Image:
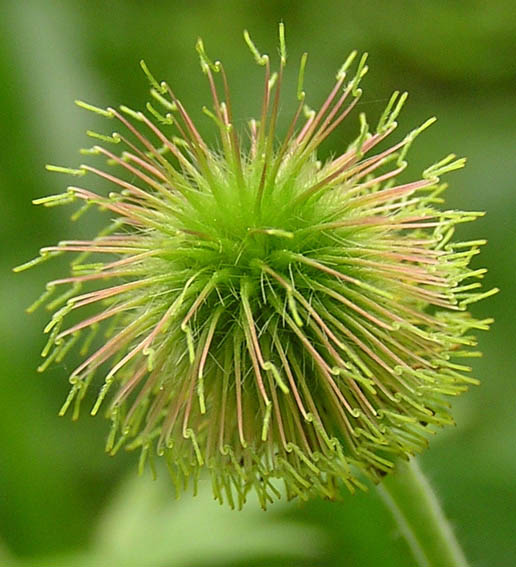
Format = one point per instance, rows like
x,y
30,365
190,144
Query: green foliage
x,y
455,60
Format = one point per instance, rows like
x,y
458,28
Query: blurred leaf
x,y
144,525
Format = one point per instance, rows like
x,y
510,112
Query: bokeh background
x,y
63,502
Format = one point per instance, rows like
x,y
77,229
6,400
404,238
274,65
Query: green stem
x,y
420,518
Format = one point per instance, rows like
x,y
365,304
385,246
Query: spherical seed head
x,y
259,313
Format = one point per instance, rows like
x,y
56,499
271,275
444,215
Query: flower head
x,y
256,311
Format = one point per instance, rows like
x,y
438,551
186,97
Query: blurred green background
x,y
62,500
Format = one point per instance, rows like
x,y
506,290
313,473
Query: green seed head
x,y
254,311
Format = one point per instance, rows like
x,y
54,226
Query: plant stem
x,y
420,518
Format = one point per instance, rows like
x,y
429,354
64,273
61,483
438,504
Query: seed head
x,y
259,313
